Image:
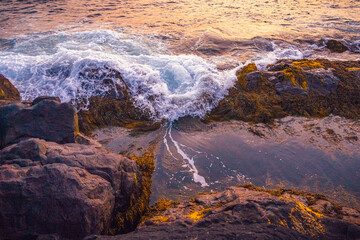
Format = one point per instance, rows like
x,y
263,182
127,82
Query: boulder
x,y
47,119
248,213
69,190
7,90
336,46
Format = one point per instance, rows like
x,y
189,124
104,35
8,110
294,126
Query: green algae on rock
x,y
311,88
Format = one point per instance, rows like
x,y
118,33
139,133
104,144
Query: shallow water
x,y
299,153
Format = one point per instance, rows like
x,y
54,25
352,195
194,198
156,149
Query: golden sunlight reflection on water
x,y
228,18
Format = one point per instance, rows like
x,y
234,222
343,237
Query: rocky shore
x,y
55,183
310,88
248,212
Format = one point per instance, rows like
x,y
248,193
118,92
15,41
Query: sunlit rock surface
x,y
249,213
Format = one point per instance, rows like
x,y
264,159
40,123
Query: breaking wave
x,y
168,86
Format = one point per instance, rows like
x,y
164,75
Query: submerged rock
x,y
7,90
292,88
71,190
47,119
249,213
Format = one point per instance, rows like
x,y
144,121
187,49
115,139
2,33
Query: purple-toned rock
x,y
47,119
69,190
254,213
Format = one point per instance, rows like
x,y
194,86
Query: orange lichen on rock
x,y
198,215
244,71
306,220
308,64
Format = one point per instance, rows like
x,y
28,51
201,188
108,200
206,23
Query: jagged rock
x,y
254,213
7,90
48,119
336,46
69,190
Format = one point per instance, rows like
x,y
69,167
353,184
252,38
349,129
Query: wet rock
x,y
288,87
292,88
41,98
47,119
7,90
252,79
115,108
249,213
69,190
278,67
322,80
336,46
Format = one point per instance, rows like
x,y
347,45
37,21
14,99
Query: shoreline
x,y
299,82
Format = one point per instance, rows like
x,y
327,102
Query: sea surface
x,y
178,59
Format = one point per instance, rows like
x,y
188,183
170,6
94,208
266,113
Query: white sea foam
x,y
190,163
168,86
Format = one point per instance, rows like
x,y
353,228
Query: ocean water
x,y
178,58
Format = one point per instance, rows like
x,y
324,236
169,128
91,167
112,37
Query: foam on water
x,y
168,86
189,161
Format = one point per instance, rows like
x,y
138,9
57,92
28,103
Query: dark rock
x,y
48,119
70,190
249,213
41,98
7,90
252,79
288,87
336,46
322,81
278,66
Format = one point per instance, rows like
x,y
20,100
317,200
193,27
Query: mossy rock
x,y
337,93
